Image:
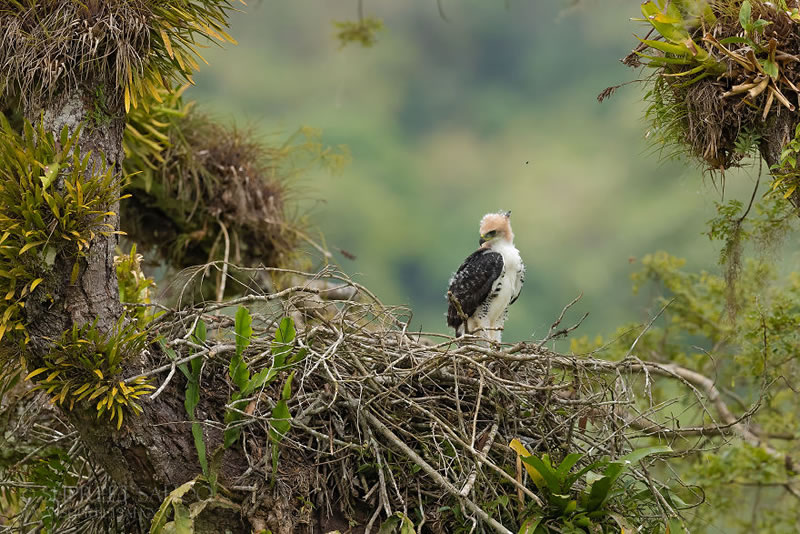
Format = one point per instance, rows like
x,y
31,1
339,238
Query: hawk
x,y
488,281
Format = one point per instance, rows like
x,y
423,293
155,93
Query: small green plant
x,y
247,383
180,509
750,26
192,372
786,174
397,523
582,500
134,286
53,202
85,365
678,49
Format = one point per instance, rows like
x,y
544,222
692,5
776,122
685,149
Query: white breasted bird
x,y
488,281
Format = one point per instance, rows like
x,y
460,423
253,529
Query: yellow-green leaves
x,y
282,358
671,26
134,287
84,366
522,452
39,221
363,31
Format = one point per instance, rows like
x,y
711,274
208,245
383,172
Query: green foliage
x,y
786,174
397,523
53,203
363,31
678,48
181,522
85,365
192,372
584,499
181,508
151,132
752,359
747,142
134,286
248,383
280,423
699,42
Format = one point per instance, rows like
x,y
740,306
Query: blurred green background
x,y
492,108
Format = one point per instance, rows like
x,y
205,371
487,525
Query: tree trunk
x,y
153,453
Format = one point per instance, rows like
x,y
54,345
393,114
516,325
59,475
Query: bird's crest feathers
x,y
496,225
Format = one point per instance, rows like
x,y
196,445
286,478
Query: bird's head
x,y
495,227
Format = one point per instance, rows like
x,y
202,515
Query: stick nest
x,y
384,420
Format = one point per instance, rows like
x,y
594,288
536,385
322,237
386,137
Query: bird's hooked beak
x,y
482,240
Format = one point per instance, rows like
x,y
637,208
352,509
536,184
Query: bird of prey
x,y
488,281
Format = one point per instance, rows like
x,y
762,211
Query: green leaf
x,y
601,487
214,467
50,173
298,356
29,246
739,40
530,525
239,372
547,472
280,421
675,526
760,23
260,379
160,518
243,329
284,339
389,526
668,48
639,454
200,446
286,392
231,436
566,464
279,425
183,523
745,14
671,31
770,67
199,334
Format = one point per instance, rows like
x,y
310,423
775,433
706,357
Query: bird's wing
x,y
472,283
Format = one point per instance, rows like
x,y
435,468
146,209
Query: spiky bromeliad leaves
x,y
721,69
49,212
137,47
86,364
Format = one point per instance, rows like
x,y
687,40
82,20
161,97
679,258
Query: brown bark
x,y
153,453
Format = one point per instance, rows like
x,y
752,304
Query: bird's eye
x,y
491,234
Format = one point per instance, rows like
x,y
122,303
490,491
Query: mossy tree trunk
x,y
94,295
153,453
